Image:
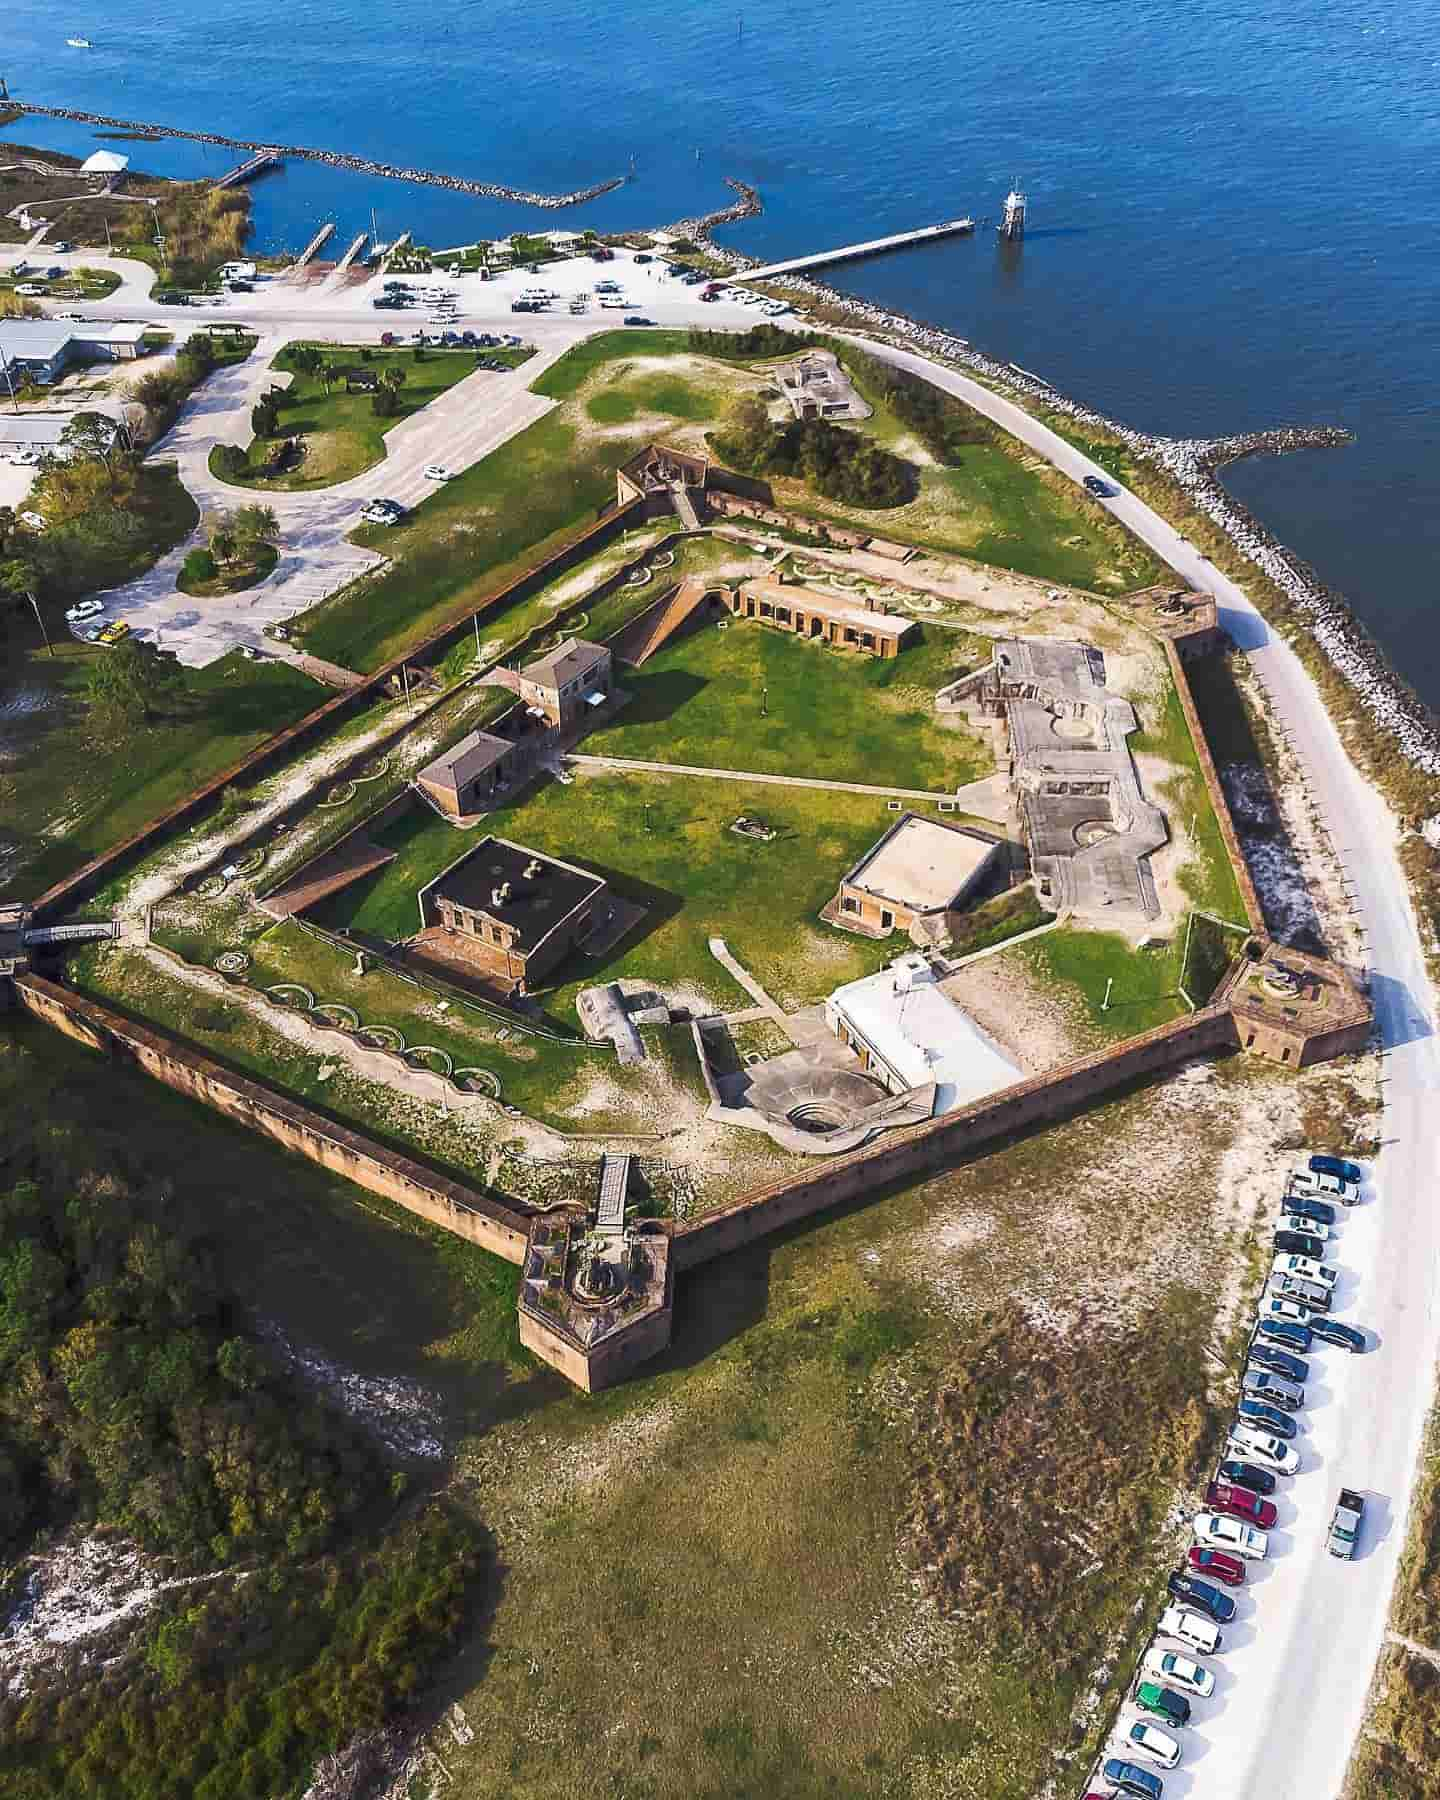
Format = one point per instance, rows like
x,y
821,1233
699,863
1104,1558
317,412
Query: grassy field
x,y
1081,965
665,842
343,436
64,797
749,697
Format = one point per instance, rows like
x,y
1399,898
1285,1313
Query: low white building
x,y
907,1033
107,163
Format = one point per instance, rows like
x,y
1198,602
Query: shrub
x,y
385,404
198,566
841,465
231,462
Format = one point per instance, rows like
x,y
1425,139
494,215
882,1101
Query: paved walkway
x,y
720,950
631,764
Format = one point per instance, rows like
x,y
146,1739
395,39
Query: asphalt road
x,y
1293,1678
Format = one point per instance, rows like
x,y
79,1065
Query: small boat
x,y
78,43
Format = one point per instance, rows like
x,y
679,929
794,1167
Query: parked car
x,y
35,520
637,319
1279,1362
1094,485
1219,1531
1304,1206
62,246
1305,1268
1306,1183
1202,1595
1190,1628
1179,1671
114,633
1157,1746
438,472
1344,1532
30,289
383,512
92,634
1277,1390
1254,1445
1283,1331
1241,1500
1130,1778
1298,1243
25,457
83,609
1313,1295
1277,1307
1265,1417
1304,1226
1164,1702
1215,1565
1333,1165
1246,1475
1344,1337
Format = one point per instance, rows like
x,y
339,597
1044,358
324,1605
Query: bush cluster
x,y
838,464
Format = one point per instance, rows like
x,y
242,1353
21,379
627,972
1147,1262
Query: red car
x,y
1240,1503
1216,1565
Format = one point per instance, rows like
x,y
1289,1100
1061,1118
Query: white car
x,y
1311,1227
1217,1532
1305,1268
25,456
438,472
1262,1447
1190,1628
1306,1181
1179,1672
1139,1738
1288,1311
33,519
82,610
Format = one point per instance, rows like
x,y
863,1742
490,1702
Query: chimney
x,y
497,897
533,869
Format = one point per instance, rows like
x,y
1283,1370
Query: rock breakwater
x,y
338,159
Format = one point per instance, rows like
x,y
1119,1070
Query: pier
x,y
853,252
350,255
262,159
307,255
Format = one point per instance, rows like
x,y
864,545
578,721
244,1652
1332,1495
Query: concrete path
x,y
1309,1629
720,950
634,765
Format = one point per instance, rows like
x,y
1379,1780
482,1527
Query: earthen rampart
x,y
449,1204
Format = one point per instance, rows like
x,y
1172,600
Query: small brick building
x,y
1293,1008
473,774
564,687
510,913
919,871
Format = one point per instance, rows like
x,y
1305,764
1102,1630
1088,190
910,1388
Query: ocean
x,y
1234,210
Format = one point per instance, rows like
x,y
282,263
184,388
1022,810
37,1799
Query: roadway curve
x,y
1295,1676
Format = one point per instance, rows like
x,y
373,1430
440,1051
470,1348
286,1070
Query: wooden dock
x,y
853,252
307,255
350,255
263,159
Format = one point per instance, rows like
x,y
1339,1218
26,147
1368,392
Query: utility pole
x,y
35,607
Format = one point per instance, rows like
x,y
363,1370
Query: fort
x,y
891,1077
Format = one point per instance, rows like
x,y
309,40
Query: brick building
x,y
511,914
1293,1008
920,871
473,774
860,624
574,682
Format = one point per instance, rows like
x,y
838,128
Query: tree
x,y
330,372
19,306
231,462
306,359
125,685
747,432
393,378
254,524
265,418
224,540
92,434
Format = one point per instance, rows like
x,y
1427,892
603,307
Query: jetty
x,y
307,255
262,159
350,255
853,252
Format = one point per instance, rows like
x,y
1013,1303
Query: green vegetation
x,y
134,1401
80,782
201,576
832,462
201,226
752,697
758,343
342,432
162,392
564,379
1143,986
1208,877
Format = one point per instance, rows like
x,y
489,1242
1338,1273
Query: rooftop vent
x,y
499,895
533,869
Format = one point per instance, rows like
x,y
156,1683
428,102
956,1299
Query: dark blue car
x,y
1201,1594
1279,1362
1244,1474
1336,1166
1346,1337
1130,1778
1266,1418
1286,1332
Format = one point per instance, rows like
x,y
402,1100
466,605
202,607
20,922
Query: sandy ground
x,y
1034,1027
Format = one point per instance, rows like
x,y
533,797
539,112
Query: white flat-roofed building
x,y
907,1033
920,870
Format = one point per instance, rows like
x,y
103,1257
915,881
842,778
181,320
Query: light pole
x,y
35,608
764,702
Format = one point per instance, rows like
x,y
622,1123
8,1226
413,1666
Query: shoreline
x,y
1192,463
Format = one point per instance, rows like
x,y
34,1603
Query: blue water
x,y
1235,211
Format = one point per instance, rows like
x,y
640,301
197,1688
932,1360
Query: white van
x,y
1190,1628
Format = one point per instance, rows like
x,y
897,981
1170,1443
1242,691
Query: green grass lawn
x,y
342,434
64,796
563,379
1081,964
826,714
665,842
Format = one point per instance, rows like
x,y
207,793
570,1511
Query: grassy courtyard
x,y
343,435
750,697
665,842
